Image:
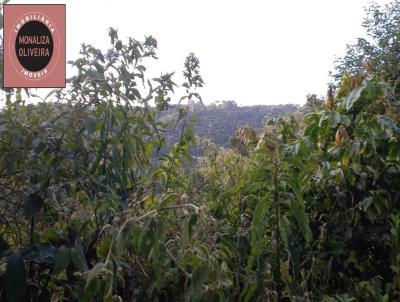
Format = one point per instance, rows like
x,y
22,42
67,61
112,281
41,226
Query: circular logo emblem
x,y
34,46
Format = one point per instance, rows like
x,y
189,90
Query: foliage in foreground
x,y
93,210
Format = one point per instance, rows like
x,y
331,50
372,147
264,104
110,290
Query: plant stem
x,y
277,231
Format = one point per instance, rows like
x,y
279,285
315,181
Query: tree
x,y
379,52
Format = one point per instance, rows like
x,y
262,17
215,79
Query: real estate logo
x,y
34,45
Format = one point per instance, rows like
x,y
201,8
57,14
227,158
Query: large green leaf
x,y
388,125
191,223
92,274
148,236
199,276
258,226
15,277
78,258
354,96
33,204
61,260
298,211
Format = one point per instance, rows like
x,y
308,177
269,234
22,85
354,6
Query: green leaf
x,y
191,223
258,226
354,96
61,260
302,220
199,276
312,129
243,247
148,236
93,273
388,125
248,294
33,204
103,248
90,123
149,147
15,277
77,258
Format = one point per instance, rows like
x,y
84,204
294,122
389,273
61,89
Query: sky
x,y
252,51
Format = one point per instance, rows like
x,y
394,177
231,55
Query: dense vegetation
x,y
93,209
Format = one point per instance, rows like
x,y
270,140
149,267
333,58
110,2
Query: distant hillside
x,y
219,120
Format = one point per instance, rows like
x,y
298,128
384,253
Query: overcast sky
x,y
253,52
